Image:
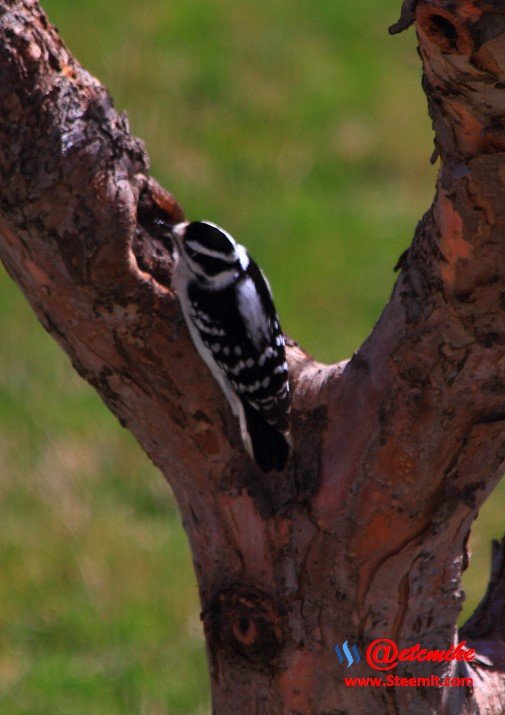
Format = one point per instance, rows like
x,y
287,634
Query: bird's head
x,y
209,253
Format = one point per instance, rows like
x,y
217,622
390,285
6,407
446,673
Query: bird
x,y
229,310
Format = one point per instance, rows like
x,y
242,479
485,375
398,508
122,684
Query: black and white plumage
x,y
228,307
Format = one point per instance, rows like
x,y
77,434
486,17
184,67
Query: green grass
x,y
302,128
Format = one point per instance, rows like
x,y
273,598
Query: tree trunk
x,y
364,536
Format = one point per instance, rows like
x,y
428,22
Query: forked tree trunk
x,y
364,536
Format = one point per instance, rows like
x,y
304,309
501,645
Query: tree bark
x,y
364,536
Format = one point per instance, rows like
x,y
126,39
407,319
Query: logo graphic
x,y
352,654
384,654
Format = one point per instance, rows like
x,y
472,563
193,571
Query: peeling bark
x,y
365,534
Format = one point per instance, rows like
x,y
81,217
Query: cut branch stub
x,y
407,17
489,618
461,45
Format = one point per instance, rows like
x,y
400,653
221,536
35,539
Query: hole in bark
x,y
154,217
152,245
443,30
441,25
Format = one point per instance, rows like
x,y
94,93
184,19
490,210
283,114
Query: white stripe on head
x,y
227,258
240,251
195,245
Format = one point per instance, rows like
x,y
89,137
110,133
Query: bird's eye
x,y
191,252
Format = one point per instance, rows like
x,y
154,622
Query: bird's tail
x,y
267,445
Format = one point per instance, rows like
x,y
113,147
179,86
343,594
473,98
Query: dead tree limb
x,y
365,534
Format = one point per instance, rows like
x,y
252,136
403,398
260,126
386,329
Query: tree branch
x,y
364,536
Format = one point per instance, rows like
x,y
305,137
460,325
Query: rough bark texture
x,y
365,534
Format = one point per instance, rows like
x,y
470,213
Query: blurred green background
x,y
302,128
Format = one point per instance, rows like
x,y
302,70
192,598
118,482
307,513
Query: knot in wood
x,y
244,620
